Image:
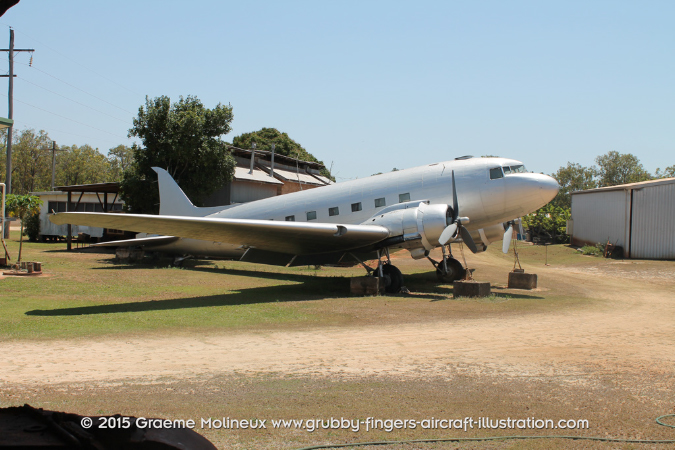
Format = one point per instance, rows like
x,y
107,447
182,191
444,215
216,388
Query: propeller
x,y
456,227
508,234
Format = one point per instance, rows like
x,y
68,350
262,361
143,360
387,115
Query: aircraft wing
x,y
297,238
151,240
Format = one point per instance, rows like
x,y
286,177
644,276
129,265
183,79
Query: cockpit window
x,y
514,169
496,173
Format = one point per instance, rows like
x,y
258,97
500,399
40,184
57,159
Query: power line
x,y
67,118
75,87
89,138
80,64
75,101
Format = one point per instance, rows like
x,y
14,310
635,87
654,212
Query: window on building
x,y
334,211
496,173
379,202
356,207
290,218
311,215
404,197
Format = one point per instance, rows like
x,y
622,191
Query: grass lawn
x,y
84,294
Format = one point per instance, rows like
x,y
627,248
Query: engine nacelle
x,y
421,221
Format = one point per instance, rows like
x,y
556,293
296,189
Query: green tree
x,y
615,168
21,206
184,138
668,172
31,162
81,165
573,177
283,145
548,224
120,160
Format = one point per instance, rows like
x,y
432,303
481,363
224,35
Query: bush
x,y
548,224
593,250
32,227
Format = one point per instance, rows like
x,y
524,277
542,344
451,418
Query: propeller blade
x,y
455,204
508,234
468,240
448,233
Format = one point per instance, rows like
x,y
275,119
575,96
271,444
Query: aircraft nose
x,y
548,187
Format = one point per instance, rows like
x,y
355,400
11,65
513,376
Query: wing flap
x,y
297,238
151,240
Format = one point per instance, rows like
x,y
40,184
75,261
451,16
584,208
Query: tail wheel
x,y
455,271
393,279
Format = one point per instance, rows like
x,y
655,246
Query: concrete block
x,y
464,288
522,280
366,285
129,254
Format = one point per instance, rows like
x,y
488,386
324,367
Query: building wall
x,y
640,218
600,217
653,227
247,191
289,187
58,200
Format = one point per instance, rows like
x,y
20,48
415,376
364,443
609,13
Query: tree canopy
x,y
184,138
283,145
615,168
573,177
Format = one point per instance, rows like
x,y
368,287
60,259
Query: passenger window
x,y
356,207
496,173
311,215
404,197
380,202
290,218
334,211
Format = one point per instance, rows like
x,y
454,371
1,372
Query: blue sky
x,y
366,85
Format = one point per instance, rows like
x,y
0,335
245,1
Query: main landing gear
x,y
392,277
449,269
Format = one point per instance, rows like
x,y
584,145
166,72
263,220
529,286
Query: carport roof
x,y
112,188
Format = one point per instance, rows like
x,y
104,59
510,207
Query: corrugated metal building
x,y
640,217
257,177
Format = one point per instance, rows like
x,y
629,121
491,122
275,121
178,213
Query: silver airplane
x,y
469,200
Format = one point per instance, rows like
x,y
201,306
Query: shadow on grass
x,y
213,269
314,289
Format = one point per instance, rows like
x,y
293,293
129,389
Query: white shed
x,y
640,217
55,201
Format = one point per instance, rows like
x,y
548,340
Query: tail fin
x,y
174,202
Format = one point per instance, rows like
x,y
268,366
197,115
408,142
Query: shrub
x,y
593,250
32,227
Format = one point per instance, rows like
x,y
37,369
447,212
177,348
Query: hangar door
x,y
653,222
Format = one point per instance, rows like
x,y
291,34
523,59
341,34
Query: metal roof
x,y
113,188
242,174
623,187
277,157
6,123
297,176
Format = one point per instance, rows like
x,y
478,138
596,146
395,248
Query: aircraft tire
x,y
455,271
393,279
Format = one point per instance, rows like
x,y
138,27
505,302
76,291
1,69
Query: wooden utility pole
x,y
11,50
54,150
